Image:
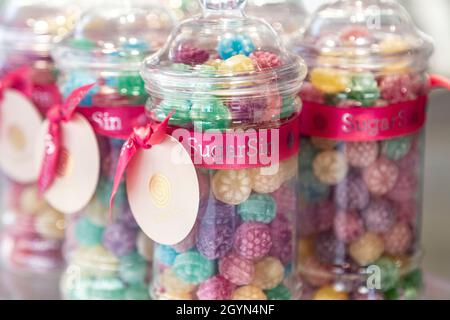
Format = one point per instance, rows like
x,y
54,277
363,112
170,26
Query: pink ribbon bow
x,y
56,116
19,79
142,138
438,81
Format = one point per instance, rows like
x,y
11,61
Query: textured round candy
x,y
259,207
406,212
266,60
51,224
236,269
285,199
87,233
188,54
397,88
215,288
269,273
282,232
253,240
144,246
232,45
361,154
316,218
119,239
126,218
165,255
352,193
192,267
381,176
330,81
107,288
314,272
380,216
232,186
396,149
174,285
329,249
309,93
330,293
407,187
182,111
323,144
249,293
219,213
95,260
348,226
364,89
389,272
137,292
235,65
280,292
247,110
210,114
215,240
398,240
311,189
267,180
367,249
330,167
133,268
30,202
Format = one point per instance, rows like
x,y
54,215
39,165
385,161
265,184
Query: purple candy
x,y
219,213
352,194
253,240
329,249
281,232
126,218
188,54
119,239
248,109
380,216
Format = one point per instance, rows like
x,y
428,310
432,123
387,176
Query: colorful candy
x,y
233,45
381,176
367,249
330,167
232,186
269,273
253,240
192,267
236,269
259,208
215,288
249,293
379,217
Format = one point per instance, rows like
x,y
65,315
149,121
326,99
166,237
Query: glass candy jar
x,y
225,75
361,172
32,232
108,257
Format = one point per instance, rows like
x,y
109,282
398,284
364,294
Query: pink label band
x,y
363,124
114,122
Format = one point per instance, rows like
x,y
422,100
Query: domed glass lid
x,y
223,52
358,29
120,33
35,25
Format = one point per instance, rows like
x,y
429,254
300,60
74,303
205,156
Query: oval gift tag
x,y
78,168
163,191
20,123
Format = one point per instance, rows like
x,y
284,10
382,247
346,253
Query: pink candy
x,y
348,227
398,239
406,187
265,60
236,269
286,200
381,176
253,240
361,154
215,288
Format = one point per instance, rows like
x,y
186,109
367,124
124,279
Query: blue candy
x,y
233,45
87,233
165,255
78,79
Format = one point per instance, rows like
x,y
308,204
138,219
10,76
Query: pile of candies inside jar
x,y
361,200
242,245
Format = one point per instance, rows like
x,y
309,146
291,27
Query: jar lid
x,y
363,33
225,54
118,35
35,25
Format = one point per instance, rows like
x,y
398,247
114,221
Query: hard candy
x,y
232,186
174,285
352,193
119,239
364,89
182,110
107,288
190,55
269,273
165,255
361,154
131,85
390,273
215,288
329,249
398,240
366,249
253,240
316,218
397,88
236,269
330,293
232,45
406,188
311,189
396,149
348,226
259,207
210,114
247,110
280,292
214,241
380,216
330,167
133,269
249,293
281,230
285,199
193,268
236,65
315,272
309,93
266,60
267,180
381,176
87,233
330,81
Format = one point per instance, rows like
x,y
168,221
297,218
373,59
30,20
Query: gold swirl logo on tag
x,y
16,138
160,190
65,164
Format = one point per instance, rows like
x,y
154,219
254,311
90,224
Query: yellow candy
x,y
330,167
331,81
367,249
330,293
145,246
393,45
51,224
289,168
232,186
31,202
402,66
214,63
305,248
268,179
174,286
95,261
269,273
237,64
248,293
323,144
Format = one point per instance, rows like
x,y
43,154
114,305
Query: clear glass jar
x,y
32,232
223,72
361,199
109,258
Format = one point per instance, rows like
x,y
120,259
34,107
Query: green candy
x,y
311,189
288,107
137,292
396,149
307,154
181,108
82,44
88,233
193,268
210,114
131,85
335,99
279,293
364,89
133,268
80,289
108,288
390,273
392,294
412,284
259,207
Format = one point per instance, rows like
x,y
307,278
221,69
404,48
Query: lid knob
x,y
223,5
